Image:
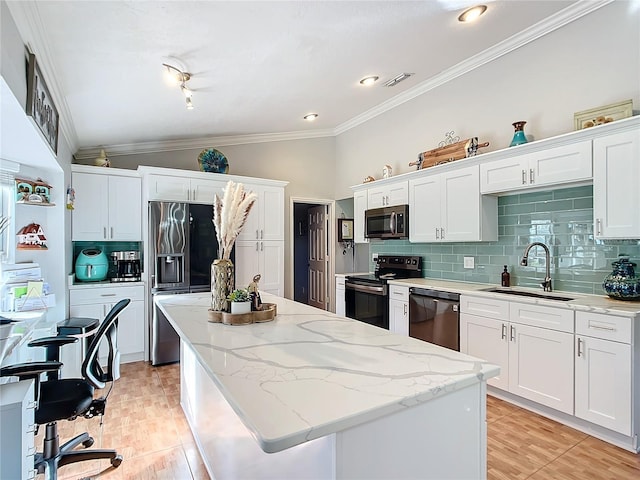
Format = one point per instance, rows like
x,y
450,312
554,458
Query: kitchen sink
x,y
521,293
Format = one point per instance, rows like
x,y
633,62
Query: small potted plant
x,y
240,301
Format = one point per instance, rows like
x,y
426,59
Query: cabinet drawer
x,y
607,327
485,307
340,282
540,316
397,292
105,294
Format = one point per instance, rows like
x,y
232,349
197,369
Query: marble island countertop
x,y
579,301
310,373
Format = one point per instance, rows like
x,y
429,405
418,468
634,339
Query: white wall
x,y
591,62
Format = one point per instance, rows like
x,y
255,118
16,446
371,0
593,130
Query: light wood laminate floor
x,y
145,423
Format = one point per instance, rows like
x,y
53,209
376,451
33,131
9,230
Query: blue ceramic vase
x,y
622,283
518,137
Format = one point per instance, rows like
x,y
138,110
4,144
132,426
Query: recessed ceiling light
x,y
310,117
470,14
368,81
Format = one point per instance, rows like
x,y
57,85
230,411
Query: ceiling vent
x,y
397,79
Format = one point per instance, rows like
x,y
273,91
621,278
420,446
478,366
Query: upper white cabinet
x,y
616,174
266,218
557,165
183,189
108,204
396,193
360,202
448,207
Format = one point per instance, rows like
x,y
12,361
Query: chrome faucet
x,y
546,285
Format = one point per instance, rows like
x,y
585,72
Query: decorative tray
x,y
267,314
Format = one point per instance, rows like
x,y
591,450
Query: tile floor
x,y
144,421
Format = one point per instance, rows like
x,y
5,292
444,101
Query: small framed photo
x,y
602,115
345,229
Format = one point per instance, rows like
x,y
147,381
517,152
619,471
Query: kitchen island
x,y
315,395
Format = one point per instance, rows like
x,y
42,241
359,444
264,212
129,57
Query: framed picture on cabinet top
x,y
602,115
345,229
40,104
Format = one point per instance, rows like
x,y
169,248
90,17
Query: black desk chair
x,y
69,398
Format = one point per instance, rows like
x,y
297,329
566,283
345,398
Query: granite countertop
x,y
580,302
311,373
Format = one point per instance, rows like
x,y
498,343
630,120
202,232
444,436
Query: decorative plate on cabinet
x,y
213,161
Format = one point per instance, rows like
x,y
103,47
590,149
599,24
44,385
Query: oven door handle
x,y
381,290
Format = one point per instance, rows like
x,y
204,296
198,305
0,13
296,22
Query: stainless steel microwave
x,y
387,222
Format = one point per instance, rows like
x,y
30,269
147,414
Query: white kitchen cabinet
x,y
265,258
266,218
494,331
616,174
17,407
448,207
603,371
183,189
107,207
396,193
340,306
399,309
95,302
360,200
557,165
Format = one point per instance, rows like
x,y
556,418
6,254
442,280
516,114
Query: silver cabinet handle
x,y
404,308
531,175
261,246
442,234
512,335
598,226
504,331
437,237
104,232
107,294
579,345
261,234
524,177
257,235
256,246
111,233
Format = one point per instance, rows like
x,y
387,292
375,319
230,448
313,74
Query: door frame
x,y
330,238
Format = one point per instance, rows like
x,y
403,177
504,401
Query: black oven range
x,y
366,296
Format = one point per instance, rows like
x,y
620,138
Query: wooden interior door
x,y
317,257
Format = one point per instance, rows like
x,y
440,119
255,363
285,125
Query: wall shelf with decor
x,y
39,204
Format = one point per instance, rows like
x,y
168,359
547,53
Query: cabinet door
x,y
125,209
616,171
504,175
91,208
166,188
271,268
568,163
360,204
424,209
272,211
486,338
131,332
340,307
460,190
377,197
204,191
603,383
399,317
398,193
534,353
247,263
71,355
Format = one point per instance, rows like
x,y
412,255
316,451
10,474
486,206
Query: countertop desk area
x,y
315,395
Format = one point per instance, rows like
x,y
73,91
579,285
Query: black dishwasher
x,y
434,317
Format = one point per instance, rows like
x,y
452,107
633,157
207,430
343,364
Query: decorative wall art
x,y
345,229
213,161
40,105
602,115
33,191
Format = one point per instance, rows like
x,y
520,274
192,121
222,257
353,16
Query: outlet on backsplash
x,y
469,262
374,257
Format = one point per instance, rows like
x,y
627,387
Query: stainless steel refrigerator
x,y
183,245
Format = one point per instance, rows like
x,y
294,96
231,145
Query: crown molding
x,y
32,30
544,27
195,143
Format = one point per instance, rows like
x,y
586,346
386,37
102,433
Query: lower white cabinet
x,y
96,302
17,436
603,369
340,306
260,257
526,354
399,309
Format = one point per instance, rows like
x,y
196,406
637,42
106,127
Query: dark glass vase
x,y
518,136
622,283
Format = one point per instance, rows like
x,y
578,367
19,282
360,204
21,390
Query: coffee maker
x,y
126,266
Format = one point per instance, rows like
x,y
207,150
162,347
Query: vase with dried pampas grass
x,y
229,216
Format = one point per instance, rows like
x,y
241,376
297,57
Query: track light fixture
x,y
178,76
